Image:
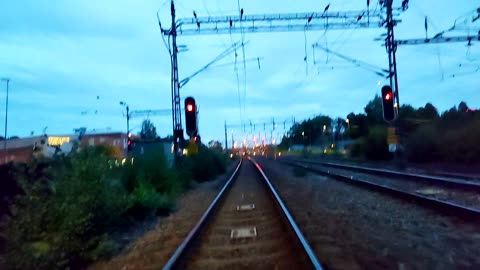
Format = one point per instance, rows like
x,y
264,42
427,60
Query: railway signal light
x,y
388,104
190,116
129,144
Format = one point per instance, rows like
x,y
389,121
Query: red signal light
x,y
129,142
189,107
388,96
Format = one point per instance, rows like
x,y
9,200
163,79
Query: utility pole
x,y
391,47
260,23
6,122
226,142
176,111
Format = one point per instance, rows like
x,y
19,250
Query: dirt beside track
x,y
350,227
154,248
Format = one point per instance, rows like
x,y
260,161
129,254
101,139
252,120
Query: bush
x,y
422,145
461,144
153,184
358,148
376,144
206,164
62,222
70,204
436,143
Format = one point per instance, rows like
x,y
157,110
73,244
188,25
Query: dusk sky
x,y
65,57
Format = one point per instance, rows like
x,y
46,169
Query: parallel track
x,y
261,236
455,209
471,183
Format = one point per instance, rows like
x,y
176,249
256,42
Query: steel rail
x,y
180,252
392,173
306,247
174,259
455,209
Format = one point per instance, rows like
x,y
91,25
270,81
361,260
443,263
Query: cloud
x,y
61,56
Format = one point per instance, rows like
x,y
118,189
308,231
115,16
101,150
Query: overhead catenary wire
x,y
235,68
240,11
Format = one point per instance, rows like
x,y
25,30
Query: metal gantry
x,y
261,23
271,125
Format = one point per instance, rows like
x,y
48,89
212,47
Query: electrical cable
x,y
235,68
305,58
240,11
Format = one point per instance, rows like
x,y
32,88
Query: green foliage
x,y
422,145
358,126
70,206
358,148
206,164
452,137
215,146
374,111
461,144
62,221
148,132
376,144
153,184
308,132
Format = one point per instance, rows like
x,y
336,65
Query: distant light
x,y
57,141
123,161
279,153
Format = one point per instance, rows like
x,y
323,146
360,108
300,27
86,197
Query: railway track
x,y
463,181
458,197
247,226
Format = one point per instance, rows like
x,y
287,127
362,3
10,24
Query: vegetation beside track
x,y
68,208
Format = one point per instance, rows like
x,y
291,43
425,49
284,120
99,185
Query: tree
x,y
462,107
429,112
215,145
148,132
358,125
374,110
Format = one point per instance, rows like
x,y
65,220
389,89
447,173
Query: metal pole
x,y
226,142
6,123
176,112
128,121
392,67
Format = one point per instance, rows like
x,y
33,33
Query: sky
x,y
71,62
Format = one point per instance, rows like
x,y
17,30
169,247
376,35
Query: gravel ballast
x,y
350,227
457,194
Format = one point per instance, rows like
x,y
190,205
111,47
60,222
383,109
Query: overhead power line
x,y
377,70
307,21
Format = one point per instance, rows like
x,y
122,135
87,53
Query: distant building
x,y
20,150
